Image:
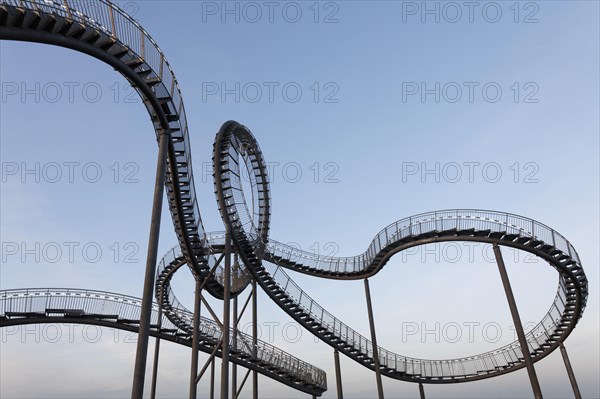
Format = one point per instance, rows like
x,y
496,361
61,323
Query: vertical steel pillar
x,y
574,385
234,366
254,338
195,340
226,297
155,362
535,385
338,374
211,394
374,340
155,369
421,391
141,354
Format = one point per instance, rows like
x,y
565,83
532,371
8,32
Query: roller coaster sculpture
x,y
104,31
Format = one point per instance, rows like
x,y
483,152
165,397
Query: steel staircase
x,y
122,312
466,225
264,259
101,29
104,31
469,225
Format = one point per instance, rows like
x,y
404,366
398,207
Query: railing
x,y
487,362
113,21
264,351
451,368
93,302
415,225
445,220
215,242
39,301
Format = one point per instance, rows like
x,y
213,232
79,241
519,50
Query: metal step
x,y
134,62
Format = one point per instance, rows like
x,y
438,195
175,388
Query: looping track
x,y
102,30
451,225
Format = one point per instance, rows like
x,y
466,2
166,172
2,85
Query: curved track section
x,y
123,312
517,228
554,328
452,225
173,260
236,155
102,30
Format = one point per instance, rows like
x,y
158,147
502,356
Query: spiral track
x,y
102,30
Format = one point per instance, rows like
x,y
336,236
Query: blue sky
x,y
344,164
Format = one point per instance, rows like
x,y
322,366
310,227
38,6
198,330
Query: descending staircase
x,y
101,29
173,260
482,226
264,259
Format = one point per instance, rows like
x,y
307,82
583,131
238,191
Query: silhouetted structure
x,y
102,30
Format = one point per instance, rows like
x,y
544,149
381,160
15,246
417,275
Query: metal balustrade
x,y
462,219
112,28
140,60
165,102
542,339
55,303
179,315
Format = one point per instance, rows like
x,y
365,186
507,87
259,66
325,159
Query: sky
x,y
366,113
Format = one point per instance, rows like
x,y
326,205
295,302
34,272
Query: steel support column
x,y
421,391
209,361
254,338
195,339
155,362
570,372
535,385
234,366
226,311
374,340
141,354
234,340
211,394
338,374
155,369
